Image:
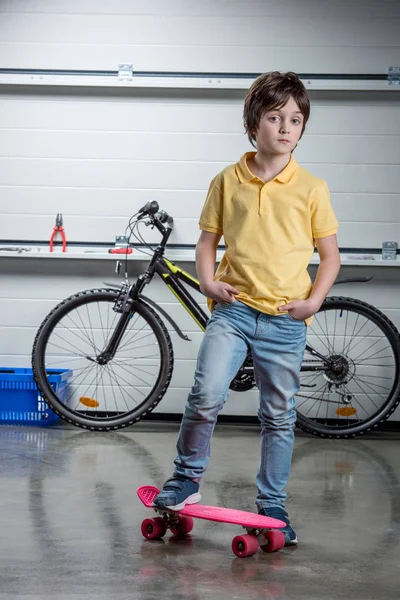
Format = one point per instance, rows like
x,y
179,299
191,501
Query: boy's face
x,y
280,129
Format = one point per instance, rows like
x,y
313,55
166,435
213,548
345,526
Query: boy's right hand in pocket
x,y
221,292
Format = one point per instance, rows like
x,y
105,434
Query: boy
x,y
271,213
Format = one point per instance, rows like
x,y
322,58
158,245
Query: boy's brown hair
x,y
270,91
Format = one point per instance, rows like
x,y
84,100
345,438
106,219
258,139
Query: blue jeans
x,y
277,344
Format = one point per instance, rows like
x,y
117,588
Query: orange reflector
x,y
89,402
346,411
344,467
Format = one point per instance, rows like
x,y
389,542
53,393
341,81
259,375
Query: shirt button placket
x,y
260,194
263,199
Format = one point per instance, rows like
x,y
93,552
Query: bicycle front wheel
x,y
352,384
102,396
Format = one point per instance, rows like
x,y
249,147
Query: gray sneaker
x,y
176,493
281,514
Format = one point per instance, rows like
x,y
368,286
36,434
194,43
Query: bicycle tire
x,y
321,429
81,418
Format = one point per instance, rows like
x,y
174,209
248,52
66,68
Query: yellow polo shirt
x,y
269,231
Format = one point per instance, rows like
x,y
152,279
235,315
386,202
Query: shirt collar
x,y
245,175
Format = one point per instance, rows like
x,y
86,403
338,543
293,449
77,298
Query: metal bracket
x,y
394,76
389,250
121,240
125,72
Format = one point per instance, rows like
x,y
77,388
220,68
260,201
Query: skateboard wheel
x,y
184,526
244,545
154,529
275,541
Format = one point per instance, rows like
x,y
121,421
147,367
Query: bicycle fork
x,y
123,305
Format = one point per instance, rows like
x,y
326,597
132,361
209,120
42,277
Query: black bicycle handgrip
x,y
150,208
164,217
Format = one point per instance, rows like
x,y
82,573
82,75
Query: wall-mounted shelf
x,y
184,80
188,255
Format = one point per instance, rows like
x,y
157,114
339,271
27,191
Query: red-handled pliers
x,y
60,228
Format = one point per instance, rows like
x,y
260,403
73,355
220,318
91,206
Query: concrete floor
x,y
70,519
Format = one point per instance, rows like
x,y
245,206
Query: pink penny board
x,y
147,493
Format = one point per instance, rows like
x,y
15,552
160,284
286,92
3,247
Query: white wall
x,y
96,155
311,36
98,159
99,153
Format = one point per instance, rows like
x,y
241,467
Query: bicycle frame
x,y
171,274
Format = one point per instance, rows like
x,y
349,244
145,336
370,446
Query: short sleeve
x,y
211,218
323,219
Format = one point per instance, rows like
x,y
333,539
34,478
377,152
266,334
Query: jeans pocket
x,y
222,305
295,320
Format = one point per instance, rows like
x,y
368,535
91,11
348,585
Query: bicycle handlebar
x,y
153,210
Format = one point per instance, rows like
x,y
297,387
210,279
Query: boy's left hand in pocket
x,y
300,309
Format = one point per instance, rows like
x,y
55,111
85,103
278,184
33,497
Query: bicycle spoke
x,y
334,333
113,390
101,323
357,380
345,329
312,406
101,379
80,329
371,383
368,357
67,342
128,384
354,399
327,346
121,389
115,386
90,323
361,388
85,393
134,375
70,358
313,393
376,376
381,357
143,370
305,378
346,350
140,357
144,346
319,406
136,333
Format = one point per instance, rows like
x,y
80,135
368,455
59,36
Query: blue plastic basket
x,y
20,399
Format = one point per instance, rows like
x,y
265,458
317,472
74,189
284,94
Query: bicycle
x,y
116,343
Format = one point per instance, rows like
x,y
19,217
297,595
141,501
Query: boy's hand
x,y
220,291
300,309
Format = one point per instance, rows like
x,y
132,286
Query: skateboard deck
x,y
261,530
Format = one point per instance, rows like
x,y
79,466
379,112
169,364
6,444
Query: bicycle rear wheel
x,y
103,396
356,382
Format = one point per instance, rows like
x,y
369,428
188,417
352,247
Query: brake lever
x,y
150,222
148,219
